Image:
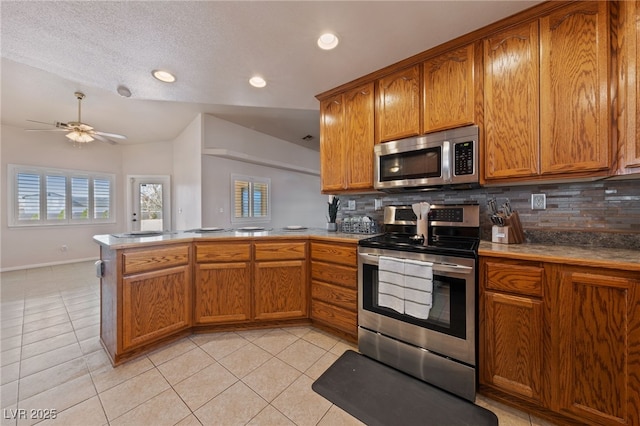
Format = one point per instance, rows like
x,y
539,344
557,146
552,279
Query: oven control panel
x,y
449,214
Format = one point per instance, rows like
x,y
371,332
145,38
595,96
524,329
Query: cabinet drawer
x,y
150,259
334,253
346,276
281,251
334,316
335,295
515,278
223,252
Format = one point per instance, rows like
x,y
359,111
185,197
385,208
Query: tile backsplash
x,y
603,213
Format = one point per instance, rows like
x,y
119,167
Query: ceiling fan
x,y
78,131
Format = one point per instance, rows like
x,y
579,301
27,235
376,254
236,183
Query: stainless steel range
x,y
417,295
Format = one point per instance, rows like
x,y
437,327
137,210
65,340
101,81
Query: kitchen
x,y
562,199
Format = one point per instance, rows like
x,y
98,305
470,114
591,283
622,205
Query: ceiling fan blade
x,y
103,139
42,122
110,135
46,130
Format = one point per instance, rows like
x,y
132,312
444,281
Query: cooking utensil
x,y
416,209
424,210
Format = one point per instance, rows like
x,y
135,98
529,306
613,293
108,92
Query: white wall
x,y
187,177
42,245
295,197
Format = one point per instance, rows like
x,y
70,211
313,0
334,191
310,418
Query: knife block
x,y
511,233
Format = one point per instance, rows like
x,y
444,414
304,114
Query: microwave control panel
x,y
463,159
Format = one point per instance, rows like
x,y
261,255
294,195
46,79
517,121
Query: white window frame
x,y
252,180
13,204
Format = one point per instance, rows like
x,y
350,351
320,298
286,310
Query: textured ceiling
x,y
51,49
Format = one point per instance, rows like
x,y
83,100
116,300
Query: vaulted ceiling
x,y
51,49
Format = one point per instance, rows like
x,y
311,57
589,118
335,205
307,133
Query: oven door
x,y
449,329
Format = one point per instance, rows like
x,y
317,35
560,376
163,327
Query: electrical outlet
x,y
377,203
351,205
538,201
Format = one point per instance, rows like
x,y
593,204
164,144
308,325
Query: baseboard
x,y
42,265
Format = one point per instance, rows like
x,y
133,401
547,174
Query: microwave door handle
x,y
446,161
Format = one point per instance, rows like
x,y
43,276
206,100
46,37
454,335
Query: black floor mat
x,y
380,395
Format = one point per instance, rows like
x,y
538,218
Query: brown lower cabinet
x,y
562,341
145,298
334,287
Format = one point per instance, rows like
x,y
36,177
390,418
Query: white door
x,y
150,203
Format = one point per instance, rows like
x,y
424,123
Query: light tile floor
x,y
51,362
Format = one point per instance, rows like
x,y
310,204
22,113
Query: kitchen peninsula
x,y
155,289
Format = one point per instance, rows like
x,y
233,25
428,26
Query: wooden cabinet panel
x,y
154,305
449,90
344,276
280,290
511,103
149,259
335,253
222,292
574,89
629,87
359,137
525,278
336,295
335,317
513,344
398,106
280,251
597,345
223,252
332,152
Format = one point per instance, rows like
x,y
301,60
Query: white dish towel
x,y
405,286
418,288
391,283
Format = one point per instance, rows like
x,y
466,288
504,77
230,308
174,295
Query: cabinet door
x,y
511,103
358,139
280,290
513,344
629,86
155,305
596,337
449,90
332,163
222,292
574,89
398,105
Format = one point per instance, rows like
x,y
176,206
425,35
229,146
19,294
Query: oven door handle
x,y
372,259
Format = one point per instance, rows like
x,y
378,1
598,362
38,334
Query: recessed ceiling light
x,y
328,41
164,76
257,81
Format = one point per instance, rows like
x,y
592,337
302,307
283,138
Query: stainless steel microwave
x,y
436,160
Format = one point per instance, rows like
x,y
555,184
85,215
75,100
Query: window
x,y
250,199
44,196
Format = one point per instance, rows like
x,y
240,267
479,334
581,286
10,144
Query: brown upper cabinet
x,y
547,96
346,140
449,90
629,88
511,103
398,105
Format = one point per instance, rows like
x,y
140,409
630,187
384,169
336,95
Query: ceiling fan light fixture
x,y
80,137
328,41
164,76
257,81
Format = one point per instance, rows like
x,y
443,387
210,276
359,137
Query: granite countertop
x,y
584,256
120,242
